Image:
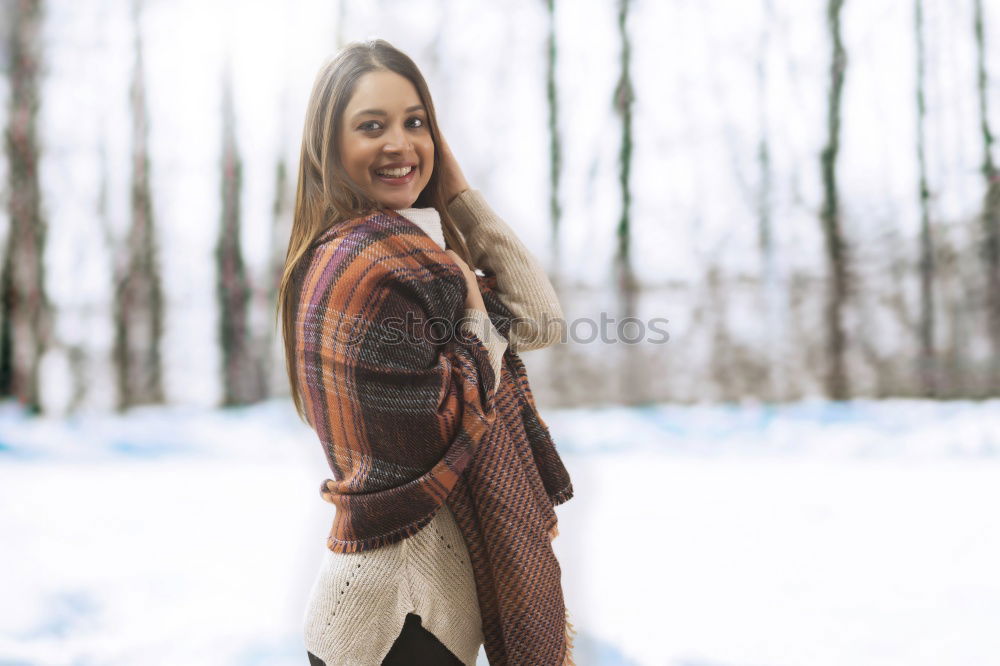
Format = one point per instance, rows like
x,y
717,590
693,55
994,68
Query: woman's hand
x,y
452,179
473,297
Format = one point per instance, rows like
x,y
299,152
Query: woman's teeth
x,y
394,173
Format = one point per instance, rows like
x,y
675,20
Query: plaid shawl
x,y
402,401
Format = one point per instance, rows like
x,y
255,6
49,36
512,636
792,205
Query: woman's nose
x,y
396,141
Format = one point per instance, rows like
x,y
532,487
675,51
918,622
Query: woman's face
x,y
385,126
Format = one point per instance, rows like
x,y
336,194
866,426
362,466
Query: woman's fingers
x,y
444,142
458,260
452,179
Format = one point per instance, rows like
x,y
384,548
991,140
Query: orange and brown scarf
x,y
402,400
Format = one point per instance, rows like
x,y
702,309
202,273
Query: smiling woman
x,y
445,476
386,143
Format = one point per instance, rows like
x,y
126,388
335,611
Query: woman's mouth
x,y
398,176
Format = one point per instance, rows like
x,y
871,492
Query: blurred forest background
x,y
808,192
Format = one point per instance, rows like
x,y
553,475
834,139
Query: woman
x,y
445,477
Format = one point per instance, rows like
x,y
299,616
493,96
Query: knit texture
x,y
428,219
408,426
359,601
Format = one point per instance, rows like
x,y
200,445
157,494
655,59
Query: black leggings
x,y
415,646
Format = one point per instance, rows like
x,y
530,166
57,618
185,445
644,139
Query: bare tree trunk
x,y
836,379
991,209
773,292
241,372
138,297
927,359
560,357
280,231
26,330
271,349
625,279
555,145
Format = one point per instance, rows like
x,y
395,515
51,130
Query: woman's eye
x,y
367,126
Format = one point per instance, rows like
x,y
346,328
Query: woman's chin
x,y
397,204
397,201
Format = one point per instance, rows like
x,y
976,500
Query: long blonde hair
x,y
325,195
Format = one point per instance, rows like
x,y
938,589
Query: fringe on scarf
x,y
570,631
570,634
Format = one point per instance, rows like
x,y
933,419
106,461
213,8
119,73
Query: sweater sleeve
x,y
521,281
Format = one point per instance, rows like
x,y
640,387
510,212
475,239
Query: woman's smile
x,y
396,176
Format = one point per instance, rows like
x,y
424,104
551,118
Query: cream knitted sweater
x,y
359,601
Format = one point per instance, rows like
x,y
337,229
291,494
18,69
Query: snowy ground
x,y
812,534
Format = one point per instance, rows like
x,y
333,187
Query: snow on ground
x,y
810,534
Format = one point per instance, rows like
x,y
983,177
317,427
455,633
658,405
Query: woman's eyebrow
x,y
380,112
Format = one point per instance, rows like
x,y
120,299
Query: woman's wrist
x,y
475,302
474,298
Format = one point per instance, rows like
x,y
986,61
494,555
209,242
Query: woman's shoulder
x,y
375,249
336,231
378,228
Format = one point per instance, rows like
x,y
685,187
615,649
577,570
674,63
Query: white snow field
x,y
812,534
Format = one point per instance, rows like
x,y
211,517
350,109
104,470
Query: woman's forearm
x,y
521,282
